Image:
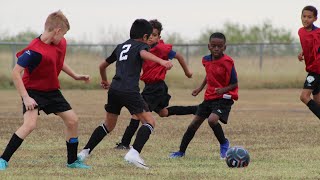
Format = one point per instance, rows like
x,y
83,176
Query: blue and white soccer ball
x,y
237,157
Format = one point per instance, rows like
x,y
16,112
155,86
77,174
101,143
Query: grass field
x,y
280,133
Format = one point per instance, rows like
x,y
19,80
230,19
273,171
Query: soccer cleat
x,y
83,155
223,149
121,146
3,164
78,164
133,157
177,154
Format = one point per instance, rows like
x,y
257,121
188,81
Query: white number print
x,y
123,55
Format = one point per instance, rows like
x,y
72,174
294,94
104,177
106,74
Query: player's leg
x,y
29,124
98,134
213,121
312,82
143,134
70,120
177,110
128,134
220,111
188,136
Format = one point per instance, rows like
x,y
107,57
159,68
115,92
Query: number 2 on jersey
x,y
123,55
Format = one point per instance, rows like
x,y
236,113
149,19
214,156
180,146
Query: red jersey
x,y
45,76
152,71
310,43
218,73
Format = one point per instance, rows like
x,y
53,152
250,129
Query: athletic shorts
x,y
156,96
220,107
49,102
312,82
133,101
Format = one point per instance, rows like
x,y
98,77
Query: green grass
x,y
279,131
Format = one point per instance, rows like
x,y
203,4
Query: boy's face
x,y
58,35
216,47
307,18
154,37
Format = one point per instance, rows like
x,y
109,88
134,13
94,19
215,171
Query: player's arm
x,y
199,89
67,69
103,67
146,55
27,59
300,56
184,65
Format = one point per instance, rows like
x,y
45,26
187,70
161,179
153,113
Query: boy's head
x,y
155,35
57,26
217,44
140,29
309,16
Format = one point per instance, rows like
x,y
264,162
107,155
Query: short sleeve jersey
x,y
43,64
310,43
128,65
219,73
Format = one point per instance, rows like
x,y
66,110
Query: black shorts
x,y
312,82
156,96
49,102
133,101
220,107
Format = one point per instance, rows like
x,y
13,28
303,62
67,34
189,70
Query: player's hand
x,y
85,78
29,103
167,64
189,74
220,90
196,92
300,56
105,84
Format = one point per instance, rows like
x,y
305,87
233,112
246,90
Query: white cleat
x,y
133,157
84,154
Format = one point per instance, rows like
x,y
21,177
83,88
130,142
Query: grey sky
x,y
97,20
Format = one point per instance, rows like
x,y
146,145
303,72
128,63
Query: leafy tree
x,y
24,36
264,33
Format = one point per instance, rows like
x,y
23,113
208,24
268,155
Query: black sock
x,y
314,107
142,136
187,137
98,134
12,146
218,132
72,149
130,130
182,110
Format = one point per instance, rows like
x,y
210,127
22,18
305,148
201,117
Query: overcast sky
x,y
97,20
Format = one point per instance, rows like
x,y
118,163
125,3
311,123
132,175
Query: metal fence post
x,y
260,55
13,50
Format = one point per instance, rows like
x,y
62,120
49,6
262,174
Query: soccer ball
x,y
237,157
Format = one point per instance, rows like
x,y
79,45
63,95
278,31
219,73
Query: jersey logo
x,y
28,52
219,111
310,79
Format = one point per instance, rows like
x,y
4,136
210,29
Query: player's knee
x,y
213,122
163,113
71,123
30,127
194,126
304,98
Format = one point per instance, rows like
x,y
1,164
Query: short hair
x,y
56,20
139,28
156,25
312,9
218,35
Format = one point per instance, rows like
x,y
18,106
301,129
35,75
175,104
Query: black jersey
x,y
128,66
